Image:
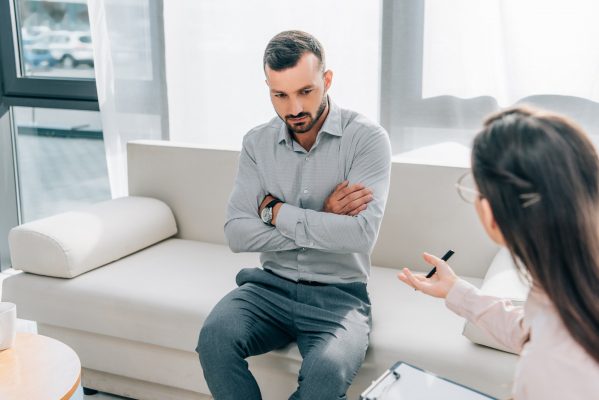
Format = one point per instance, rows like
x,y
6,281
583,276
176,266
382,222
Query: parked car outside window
x,y
71,48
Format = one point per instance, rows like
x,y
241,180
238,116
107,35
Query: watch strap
x,y
272,203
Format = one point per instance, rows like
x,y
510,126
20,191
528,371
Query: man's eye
x,y
306,91
280,95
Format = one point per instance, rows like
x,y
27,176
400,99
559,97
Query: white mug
x,y
8,322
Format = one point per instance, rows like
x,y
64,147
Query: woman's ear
x,y
485,214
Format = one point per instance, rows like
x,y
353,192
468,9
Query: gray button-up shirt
x,y
308,243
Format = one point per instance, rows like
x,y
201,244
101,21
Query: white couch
x,y
154,276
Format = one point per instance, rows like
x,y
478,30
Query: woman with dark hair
x,y
535,186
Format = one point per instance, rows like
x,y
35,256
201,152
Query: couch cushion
x,y
71,243
162,295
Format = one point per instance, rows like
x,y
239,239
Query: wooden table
x,y
38,367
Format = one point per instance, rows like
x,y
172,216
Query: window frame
x,y
27,91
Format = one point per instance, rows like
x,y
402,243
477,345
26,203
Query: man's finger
x,y
336,193
358,210
352,205
353,196
348,190
356,194
341,185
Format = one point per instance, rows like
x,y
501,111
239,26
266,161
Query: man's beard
x,y
310,120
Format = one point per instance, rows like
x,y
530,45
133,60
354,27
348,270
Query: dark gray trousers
x,y
330,324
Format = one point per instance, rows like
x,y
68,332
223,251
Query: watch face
x,y
266,215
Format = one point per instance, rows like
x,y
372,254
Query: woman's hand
x,y
437,285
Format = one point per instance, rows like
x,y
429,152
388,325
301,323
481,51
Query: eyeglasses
x,y
466,187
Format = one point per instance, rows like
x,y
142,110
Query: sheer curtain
x,y
128,44
191,70
209,55
214,49
447,64
511,49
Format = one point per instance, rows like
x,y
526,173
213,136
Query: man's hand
x,y
348,200
275,209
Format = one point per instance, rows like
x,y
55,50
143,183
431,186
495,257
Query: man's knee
x,y
213,335
220,338
328,377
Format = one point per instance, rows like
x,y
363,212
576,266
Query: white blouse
x,y
552,364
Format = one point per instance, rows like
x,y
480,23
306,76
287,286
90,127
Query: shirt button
x,y
305,191
307,158
303,249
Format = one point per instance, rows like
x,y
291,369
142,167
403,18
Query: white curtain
x,y
428,71
209,55
214,50
129,66
511,49
449,64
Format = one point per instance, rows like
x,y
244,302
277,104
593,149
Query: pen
x,y
446,257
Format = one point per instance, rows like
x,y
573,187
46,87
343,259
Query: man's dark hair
x,y
285,49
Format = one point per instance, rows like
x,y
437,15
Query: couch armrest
x,y
69,244
501,280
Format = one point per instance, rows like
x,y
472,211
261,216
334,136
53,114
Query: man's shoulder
x,y
265,131
353,122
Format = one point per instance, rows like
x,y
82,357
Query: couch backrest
x,y
423,213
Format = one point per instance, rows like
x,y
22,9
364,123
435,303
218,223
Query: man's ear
x,y
328,79
487,218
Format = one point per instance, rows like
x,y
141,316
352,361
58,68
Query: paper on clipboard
x,y
405,382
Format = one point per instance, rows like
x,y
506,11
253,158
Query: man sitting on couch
x,y
309,195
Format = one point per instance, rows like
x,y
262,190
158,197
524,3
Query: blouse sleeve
x,y
498,317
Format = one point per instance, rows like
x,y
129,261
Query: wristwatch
x,y
266,213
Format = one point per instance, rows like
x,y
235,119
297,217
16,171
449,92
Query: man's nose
x,y
295,106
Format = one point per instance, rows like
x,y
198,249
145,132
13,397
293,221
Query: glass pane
x,y
55,39
61,160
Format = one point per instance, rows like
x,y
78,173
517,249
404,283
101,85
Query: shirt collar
x,y
332,125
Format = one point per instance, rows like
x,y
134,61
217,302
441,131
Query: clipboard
x,y
406,382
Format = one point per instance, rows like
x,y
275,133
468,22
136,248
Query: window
x,y
54,39
51,147
60,160
43,55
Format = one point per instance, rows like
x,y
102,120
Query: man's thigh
x,y
252,318
333,338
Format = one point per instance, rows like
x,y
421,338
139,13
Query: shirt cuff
x,y
456,299
290,223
